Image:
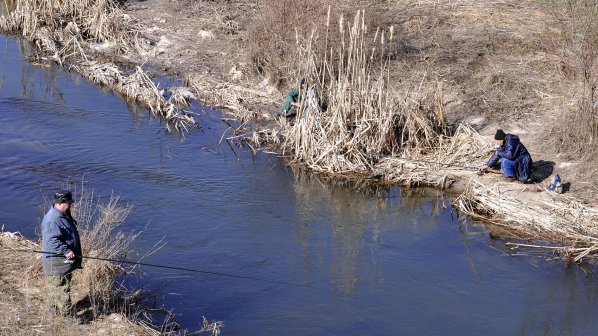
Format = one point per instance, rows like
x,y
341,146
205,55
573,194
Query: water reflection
x,y
555,308
48,89
355,223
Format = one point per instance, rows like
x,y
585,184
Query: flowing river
x,y
374,261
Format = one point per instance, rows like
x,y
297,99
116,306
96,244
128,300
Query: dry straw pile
x,y
65,30
552,217
456,156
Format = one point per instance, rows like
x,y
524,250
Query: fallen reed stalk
x,y
549,217
453,158
66,29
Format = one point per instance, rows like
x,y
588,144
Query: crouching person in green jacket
x,y
292,101
60,241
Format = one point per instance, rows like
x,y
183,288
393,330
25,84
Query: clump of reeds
x,y
95,287
365,119
65,29
98,225
552,217
453,157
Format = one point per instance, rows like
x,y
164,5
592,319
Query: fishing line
x,y
57,255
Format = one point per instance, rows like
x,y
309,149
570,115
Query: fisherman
x,y
60,241
292,101
515,160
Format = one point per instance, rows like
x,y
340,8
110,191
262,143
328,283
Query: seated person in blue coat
x,y
515,160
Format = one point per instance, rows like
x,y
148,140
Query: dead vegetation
x,y
500,63
579,136
569,224
350,116
98,297
456,157
68,32
105,305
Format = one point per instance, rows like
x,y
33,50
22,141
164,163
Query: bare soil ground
x,y
501,65
203,43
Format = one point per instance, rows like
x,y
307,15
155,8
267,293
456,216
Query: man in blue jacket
x,y
515,160
60,241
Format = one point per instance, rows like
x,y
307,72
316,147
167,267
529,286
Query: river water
x,y
374,261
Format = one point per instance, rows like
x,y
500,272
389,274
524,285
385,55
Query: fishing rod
x,y
444,164
463,167
58,255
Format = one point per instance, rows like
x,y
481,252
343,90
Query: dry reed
x,y
549,217
65,30
94,288
455,157
98,222
364,118
577,21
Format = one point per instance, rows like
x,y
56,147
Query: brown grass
x,y
66,30
456,157
274,30
364,118
577,19
98,223
562,220
100,298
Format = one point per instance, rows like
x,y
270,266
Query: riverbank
x,y
499,65
23,292
100,299
489,65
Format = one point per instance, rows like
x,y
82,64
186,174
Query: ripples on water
x,y
377,261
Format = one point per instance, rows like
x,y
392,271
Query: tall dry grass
x,y
96,291
273,30
99,226
351,116
579,25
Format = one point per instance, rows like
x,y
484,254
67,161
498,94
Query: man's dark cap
x,y
500,135
63,196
